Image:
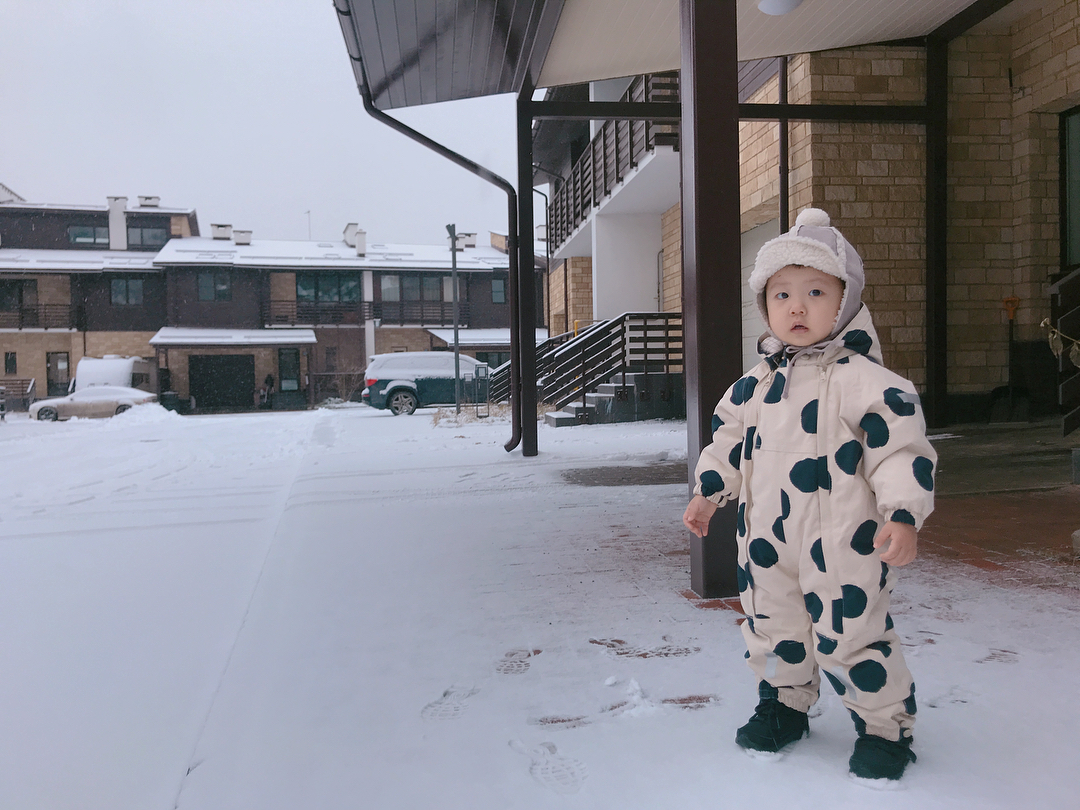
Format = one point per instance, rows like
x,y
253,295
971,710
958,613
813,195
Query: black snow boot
x,y
772,727
878,758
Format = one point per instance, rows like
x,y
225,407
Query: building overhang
x,y
174,336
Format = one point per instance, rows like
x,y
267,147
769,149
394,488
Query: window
x,y
498,291
391,288
328,288
147,237
215,285
330,359
432,287
493,359
88,235
11,368
1070,170
126,292
410,288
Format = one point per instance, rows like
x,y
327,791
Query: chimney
x,y
467,239
221,231
117,223
361,242
349,234
149,202
241,237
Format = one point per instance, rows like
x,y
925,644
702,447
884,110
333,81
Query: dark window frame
x,y
137,236
98,238
130,286
11,364
500,285
220,284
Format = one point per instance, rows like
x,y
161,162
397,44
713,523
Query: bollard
x,y
1076,465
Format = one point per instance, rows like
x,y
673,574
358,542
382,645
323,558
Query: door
x,y
57,374
222,380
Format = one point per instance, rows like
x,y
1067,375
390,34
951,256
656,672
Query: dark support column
x,y
712,301
526,273
785,156
937,142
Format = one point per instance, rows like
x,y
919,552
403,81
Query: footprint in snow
x,y
999,657
620,648
551,769
516,662
450,706
956,695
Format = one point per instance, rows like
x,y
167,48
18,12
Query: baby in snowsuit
x,y
826,451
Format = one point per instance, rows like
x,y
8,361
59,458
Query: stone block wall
x,y
759,162
128,344
402,339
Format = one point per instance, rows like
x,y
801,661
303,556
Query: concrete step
x,y
560,419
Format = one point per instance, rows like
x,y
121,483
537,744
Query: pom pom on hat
x,y
813,242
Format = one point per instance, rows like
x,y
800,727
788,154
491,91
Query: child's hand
x,y
698,514
902,540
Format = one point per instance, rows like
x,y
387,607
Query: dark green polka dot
x,y
791,652
742,520
747,449
838,615
824,479
898,402
743,390
750,624
740,577
757,442
860,724
877,432
776,390
817,554
888,622
924,472
763,553
778,530
809,417
848,456
909,702
884,576
843,361
903,516
746,654
854,601
868,676
711,483
735,456
858,341
826,645
717,423
813,606
883,647
804,475
863,539
837,684
785,505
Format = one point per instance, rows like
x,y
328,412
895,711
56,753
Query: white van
x,y
115,369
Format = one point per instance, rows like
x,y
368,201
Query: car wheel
x,y
122,408
402,401
47,415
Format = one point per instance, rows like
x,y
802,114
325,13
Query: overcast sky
x,y
245,110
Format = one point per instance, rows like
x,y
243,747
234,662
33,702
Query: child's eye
x,y
781,295
816,292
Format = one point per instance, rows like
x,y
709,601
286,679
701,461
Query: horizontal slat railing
x,y
39,316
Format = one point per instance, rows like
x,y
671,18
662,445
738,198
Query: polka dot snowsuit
x,y
818,468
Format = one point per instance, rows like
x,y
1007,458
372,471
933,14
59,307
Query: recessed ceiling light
x,y
778,7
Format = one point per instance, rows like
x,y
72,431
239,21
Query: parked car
x,y
404,381
96,401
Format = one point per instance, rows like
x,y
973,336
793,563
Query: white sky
x,y
245,110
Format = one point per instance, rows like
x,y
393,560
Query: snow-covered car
x,y
401,382
98,401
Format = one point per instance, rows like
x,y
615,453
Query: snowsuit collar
x,y
858,337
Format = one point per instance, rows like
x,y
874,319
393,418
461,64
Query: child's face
x,y
803,303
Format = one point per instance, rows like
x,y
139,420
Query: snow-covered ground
x,y
343,609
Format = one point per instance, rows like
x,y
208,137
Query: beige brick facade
x,y
671,236
402,339
578,270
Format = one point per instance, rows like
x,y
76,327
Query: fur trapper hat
x,y
812,243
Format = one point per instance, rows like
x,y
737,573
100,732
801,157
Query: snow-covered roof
x,y
177,336
31,260
327,255
482,337
22,205
7,195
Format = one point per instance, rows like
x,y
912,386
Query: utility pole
x,y
454,250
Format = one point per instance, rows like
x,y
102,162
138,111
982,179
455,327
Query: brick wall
x,y
128,344
557,299
759,163
30,349
404,339
581,304
671,241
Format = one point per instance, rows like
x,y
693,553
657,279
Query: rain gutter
x,y
353,47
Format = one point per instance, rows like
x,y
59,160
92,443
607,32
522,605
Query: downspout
x,y
345,19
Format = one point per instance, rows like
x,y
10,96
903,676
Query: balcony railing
x,y
419,313
41,316
291,313
617,149
393,313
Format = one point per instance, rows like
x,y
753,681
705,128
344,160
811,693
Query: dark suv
x,y
404,381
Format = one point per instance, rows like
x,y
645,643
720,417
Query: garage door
x,y
222,380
